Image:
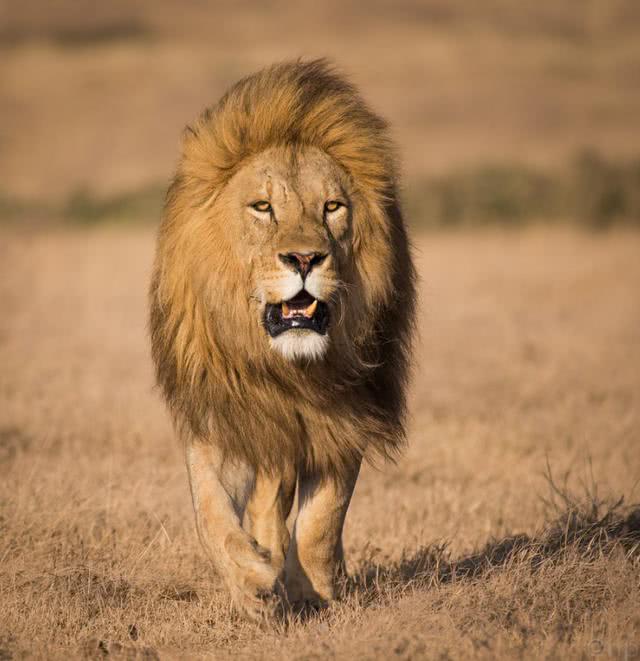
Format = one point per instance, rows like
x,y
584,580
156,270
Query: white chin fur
x,y
294,344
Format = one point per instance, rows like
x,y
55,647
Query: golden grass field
x,y
528,356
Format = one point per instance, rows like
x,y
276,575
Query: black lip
x,y
276,324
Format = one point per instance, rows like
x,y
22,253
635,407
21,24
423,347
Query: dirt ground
x,y
528,355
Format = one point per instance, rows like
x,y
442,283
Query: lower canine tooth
x,y
285,310
311,309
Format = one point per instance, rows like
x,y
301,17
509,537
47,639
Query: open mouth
x,y
302,312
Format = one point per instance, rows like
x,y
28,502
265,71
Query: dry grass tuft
x,y
584,530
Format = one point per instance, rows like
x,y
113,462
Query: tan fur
x,y
299,134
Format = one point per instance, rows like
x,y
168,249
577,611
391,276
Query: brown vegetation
x,y
528,355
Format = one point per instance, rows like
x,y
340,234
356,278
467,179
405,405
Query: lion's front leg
x,y
267,512
220,491
315,554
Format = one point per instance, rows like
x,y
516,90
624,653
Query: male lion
x,y
282,304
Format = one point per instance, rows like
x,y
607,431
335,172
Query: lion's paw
x,y
251,578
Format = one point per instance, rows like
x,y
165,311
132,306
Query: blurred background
x,y
502,110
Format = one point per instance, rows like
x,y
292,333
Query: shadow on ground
x,y
581,531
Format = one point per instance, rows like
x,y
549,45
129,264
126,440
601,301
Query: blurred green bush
x,y
591,191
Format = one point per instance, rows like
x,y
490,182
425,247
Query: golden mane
x,y
318,415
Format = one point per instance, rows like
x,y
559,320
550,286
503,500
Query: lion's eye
x,y
262,205
332,205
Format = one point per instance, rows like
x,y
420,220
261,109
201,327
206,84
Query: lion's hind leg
x,y
220,491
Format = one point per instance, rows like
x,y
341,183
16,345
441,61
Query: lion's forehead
x,y
296,179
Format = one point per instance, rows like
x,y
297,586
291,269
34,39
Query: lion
x,y
281,315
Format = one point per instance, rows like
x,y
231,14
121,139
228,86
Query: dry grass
x,y
467,548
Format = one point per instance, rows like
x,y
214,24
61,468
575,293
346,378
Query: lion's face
x,y
291,213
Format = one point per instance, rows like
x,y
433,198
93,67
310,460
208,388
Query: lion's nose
x,y
302,262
